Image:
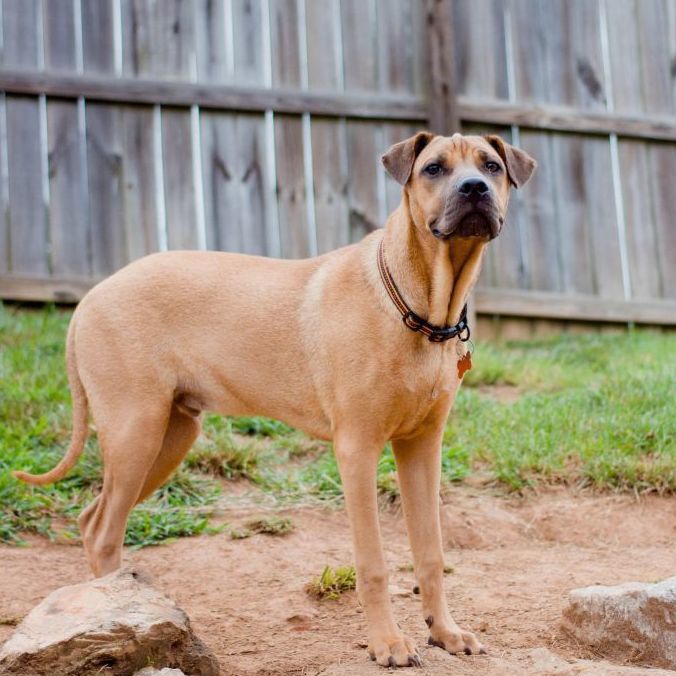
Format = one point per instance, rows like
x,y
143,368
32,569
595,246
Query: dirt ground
x,y
514,561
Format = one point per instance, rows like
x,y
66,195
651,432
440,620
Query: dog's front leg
x,y
358,465
419,468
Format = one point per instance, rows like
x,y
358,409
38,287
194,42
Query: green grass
x,y
332,583
592,410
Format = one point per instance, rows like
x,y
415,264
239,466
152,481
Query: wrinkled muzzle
x,y
471,210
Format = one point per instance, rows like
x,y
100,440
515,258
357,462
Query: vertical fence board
x,y
662,161
538,216
104,161
138,208
395,46
641,244
159,38
329,154
623,45
104,154
360,58
220,161
479,71
179,189
68,217
27,211
602,219
655,74
291,187
571,199
286,72
248,52
211,41
253,188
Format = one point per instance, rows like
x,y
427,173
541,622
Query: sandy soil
x,y
514,562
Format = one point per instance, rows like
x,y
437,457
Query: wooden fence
x,y
130,126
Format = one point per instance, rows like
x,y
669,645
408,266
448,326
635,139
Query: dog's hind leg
x,y
131,439
181,433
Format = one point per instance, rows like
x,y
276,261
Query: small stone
x,y
632,621
117,624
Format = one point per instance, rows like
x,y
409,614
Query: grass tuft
x,y
332,583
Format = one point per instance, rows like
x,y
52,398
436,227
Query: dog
x,y
361,346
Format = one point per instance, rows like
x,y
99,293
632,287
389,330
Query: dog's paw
x,y
395,651
455,641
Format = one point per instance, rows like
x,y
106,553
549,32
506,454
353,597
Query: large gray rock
x,y
632,621
118,624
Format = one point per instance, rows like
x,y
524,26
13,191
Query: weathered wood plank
x,y
147,91
655,58
104,162
538,217
160,39
440,67
27,210
254,191
329,137
235,190
364,148
639,220
360,55
662,162
329,159
179,188
68,213
572,195
479,72
40,288
97,37
212,43
289,141
247,24
560,118
291,187
137,181
396,44
601,218
564,306
221,170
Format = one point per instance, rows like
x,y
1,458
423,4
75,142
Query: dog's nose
x,y
473,188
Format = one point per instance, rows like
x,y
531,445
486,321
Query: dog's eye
x,y
432,169
492,167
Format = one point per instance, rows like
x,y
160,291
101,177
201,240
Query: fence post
x,y
440,67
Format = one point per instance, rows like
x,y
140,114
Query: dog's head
x,y
458,186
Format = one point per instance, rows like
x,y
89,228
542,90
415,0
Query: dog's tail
x,y
80,429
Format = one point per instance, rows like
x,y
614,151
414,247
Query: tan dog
x,y
317,343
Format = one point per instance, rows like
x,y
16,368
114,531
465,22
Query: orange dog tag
x,y
464,364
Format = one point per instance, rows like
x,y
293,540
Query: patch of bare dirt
x,y
514,561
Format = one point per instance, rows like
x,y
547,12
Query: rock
x,y
116,625
633,621
151,671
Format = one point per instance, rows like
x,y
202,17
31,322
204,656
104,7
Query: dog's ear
x,y
520,165
399,159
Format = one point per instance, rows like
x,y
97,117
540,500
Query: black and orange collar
x,y
435,334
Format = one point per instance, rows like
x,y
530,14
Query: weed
x,y
332,583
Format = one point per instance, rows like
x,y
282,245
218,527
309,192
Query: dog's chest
x,y
430,377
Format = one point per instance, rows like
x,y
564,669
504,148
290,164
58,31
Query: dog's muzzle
x,y
470,212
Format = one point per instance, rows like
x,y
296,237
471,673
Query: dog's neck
x,y
434,277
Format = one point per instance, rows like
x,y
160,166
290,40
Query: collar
x,y
435,334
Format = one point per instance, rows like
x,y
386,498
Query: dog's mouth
x,y
475,222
